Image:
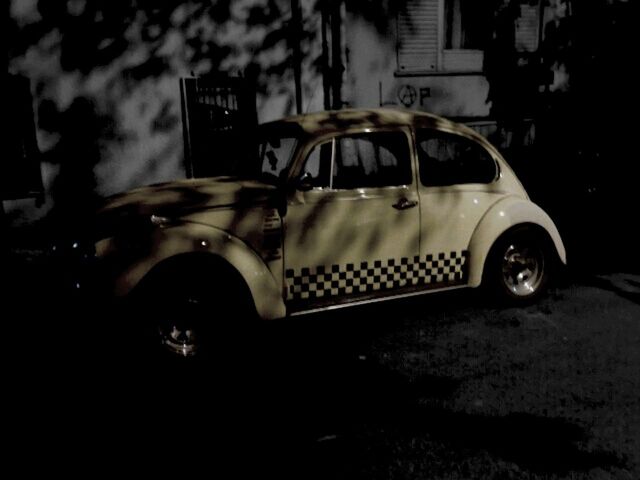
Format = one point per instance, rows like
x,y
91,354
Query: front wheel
x,y
180,328
519,266
192,312
179,312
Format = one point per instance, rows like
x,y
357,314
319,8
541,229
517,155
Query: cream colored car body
x,y
300,250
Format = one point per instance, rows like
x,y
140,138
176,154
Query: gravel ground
x,y
444,387
549,391
438,387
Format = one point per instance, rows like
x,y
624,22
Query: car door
x,y
456,187
352,224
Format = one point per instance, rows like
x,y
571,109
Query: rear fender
x,y
504,215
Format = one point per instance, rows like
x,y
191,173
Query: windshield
x,y
271,148
274,157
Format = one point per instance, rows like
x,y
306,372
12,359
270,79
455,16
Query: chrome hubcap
x,y
179,340
180,336
522,269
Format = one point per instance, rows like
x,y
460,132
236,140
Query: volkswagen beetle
x,y
336,209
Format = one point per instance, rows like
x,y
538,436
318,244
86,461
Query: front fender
x,y
505,214
186,238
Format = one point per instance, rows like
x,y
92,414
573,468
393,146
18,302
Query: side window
x,y
379,159
467,24
449,159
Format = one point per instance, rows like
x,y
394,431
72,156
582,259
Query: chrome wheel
x,y
523,269
179,330
189,312
178,339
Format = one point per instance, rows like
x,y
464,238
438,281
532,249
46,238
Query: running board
x,y
355,303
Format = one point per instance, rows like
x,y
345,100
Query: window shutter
x,y
418,36
527,29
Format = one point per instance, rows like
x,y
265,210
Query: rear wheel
x,y
519,266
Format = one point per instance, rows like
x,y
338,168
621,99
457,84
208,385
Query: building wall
x,y
374,80
105,78
105,82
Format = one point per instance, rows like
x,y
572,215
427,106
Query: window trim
x,y
333,162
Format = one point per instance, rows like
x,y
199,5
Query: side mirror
x,y
303,183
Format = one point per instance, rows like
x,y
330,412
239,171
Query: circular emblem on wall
x,y
407,95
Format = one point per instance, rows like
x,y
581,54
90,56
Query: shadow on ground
x,y
305,403
314,409
624,285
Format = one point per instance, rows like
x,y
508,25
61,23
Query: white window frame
x,y
448,61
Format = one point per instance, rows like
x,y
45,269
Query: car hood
x,y
125,213
186,196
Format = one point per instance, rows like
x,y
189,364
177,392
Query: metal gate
x,y
219,119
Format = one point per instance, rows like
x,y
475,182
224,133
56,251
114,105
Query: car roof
x,y
339,120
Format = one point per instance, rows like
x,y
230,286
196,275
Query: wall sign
x,y
408,94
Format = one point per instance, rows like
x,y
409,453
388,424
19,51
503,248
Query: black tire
x,y
519,266
195,310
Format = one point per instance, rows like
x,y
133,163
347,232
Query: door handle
x,y
403,204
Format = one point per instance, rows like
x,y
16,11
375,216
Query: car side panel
x,y
188,238
449,215
507,213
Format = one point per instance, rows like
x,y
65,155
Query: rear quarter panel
x,y
505,214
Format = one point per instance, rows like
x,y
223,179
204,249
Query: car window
x,y
378,159
449,159
275,156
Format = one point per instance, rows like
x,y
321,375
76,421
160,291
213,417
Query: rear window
x,y
450,159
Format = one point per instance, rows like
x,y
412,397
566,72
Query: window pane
x,y
275,155
467,24
372,160
318,166
448,159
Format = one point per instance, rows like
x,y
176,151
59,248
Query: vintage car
x,y
336,209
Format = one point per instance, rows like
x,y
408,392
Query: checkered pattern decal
x,y
321,282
